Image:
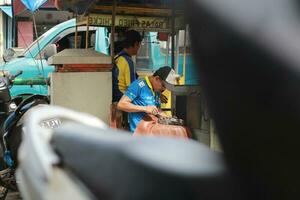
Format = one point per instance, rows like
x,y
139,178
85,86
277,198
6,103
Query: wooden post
x,y
173,35
87,33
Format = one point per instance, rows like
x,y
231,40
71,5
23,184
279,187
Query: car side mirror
x,y
8,54
49,51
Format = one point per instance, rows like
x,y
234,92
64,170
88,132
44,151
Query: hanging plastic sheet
x,y
33,5
7,10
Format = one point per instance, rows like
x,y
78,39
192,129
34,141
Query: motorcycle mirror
x,y
49,51
8,54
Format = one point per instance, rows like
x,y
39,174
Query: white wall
x,y
88,92
5,2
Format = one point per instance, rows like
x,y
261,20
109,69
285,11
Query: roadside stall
x,y
166,18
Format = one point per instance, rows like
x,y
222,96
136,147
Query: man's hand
x,y
151,110
163,98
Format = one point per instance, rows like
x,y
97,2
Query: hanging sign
x,y
134,22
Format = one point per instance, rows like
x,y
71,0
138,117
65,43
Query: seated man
x,y
142,102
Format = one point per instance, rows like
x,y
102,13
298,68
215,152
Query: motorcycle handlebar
x,y
11,79
31,81
19,72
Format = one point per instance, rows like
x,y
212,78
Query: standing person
x,y
123,74
143,97
124,69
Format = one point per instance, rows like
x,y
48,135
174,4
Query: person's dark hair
x,y
163,72
131,37
118,47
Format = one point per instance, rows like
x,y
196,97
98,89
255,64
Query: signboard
x,y
161,24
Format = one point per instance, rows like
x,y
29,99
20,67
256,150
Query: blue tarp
x,y
33,5
7,10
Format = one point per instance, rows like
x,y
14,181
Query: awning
x,y
20,7
33,5
7,10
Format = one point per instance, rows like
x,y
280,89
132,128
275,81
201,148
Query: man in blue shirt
x,y
143,96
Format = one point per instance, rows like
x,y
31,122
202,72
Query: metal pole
x,y
76,32
184,55
173,98
13,25
38,44
112,38
173,35
6,31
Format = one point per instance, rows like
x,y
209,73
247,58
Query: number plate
x,y
51,123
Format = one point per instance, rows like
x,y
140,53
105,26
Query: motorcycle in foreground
x,y
12,111
84,159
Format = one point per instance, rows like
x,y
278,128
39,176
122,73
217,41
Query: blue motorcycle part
x,y
8,158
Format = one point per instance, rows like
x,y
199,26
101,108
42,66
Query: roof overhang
x,y
138,15
105,6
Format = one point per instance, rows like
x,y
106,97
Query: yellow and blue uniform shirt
x,y
123,74
141,93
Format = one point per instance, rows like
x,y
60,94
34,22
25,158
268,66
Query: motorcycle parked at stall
x,y
12,111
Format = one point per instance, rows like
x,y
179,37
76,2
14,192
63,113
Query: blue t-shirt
x,y
140,93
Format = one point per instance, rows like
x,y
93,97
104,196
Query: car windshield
x,y
32,46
